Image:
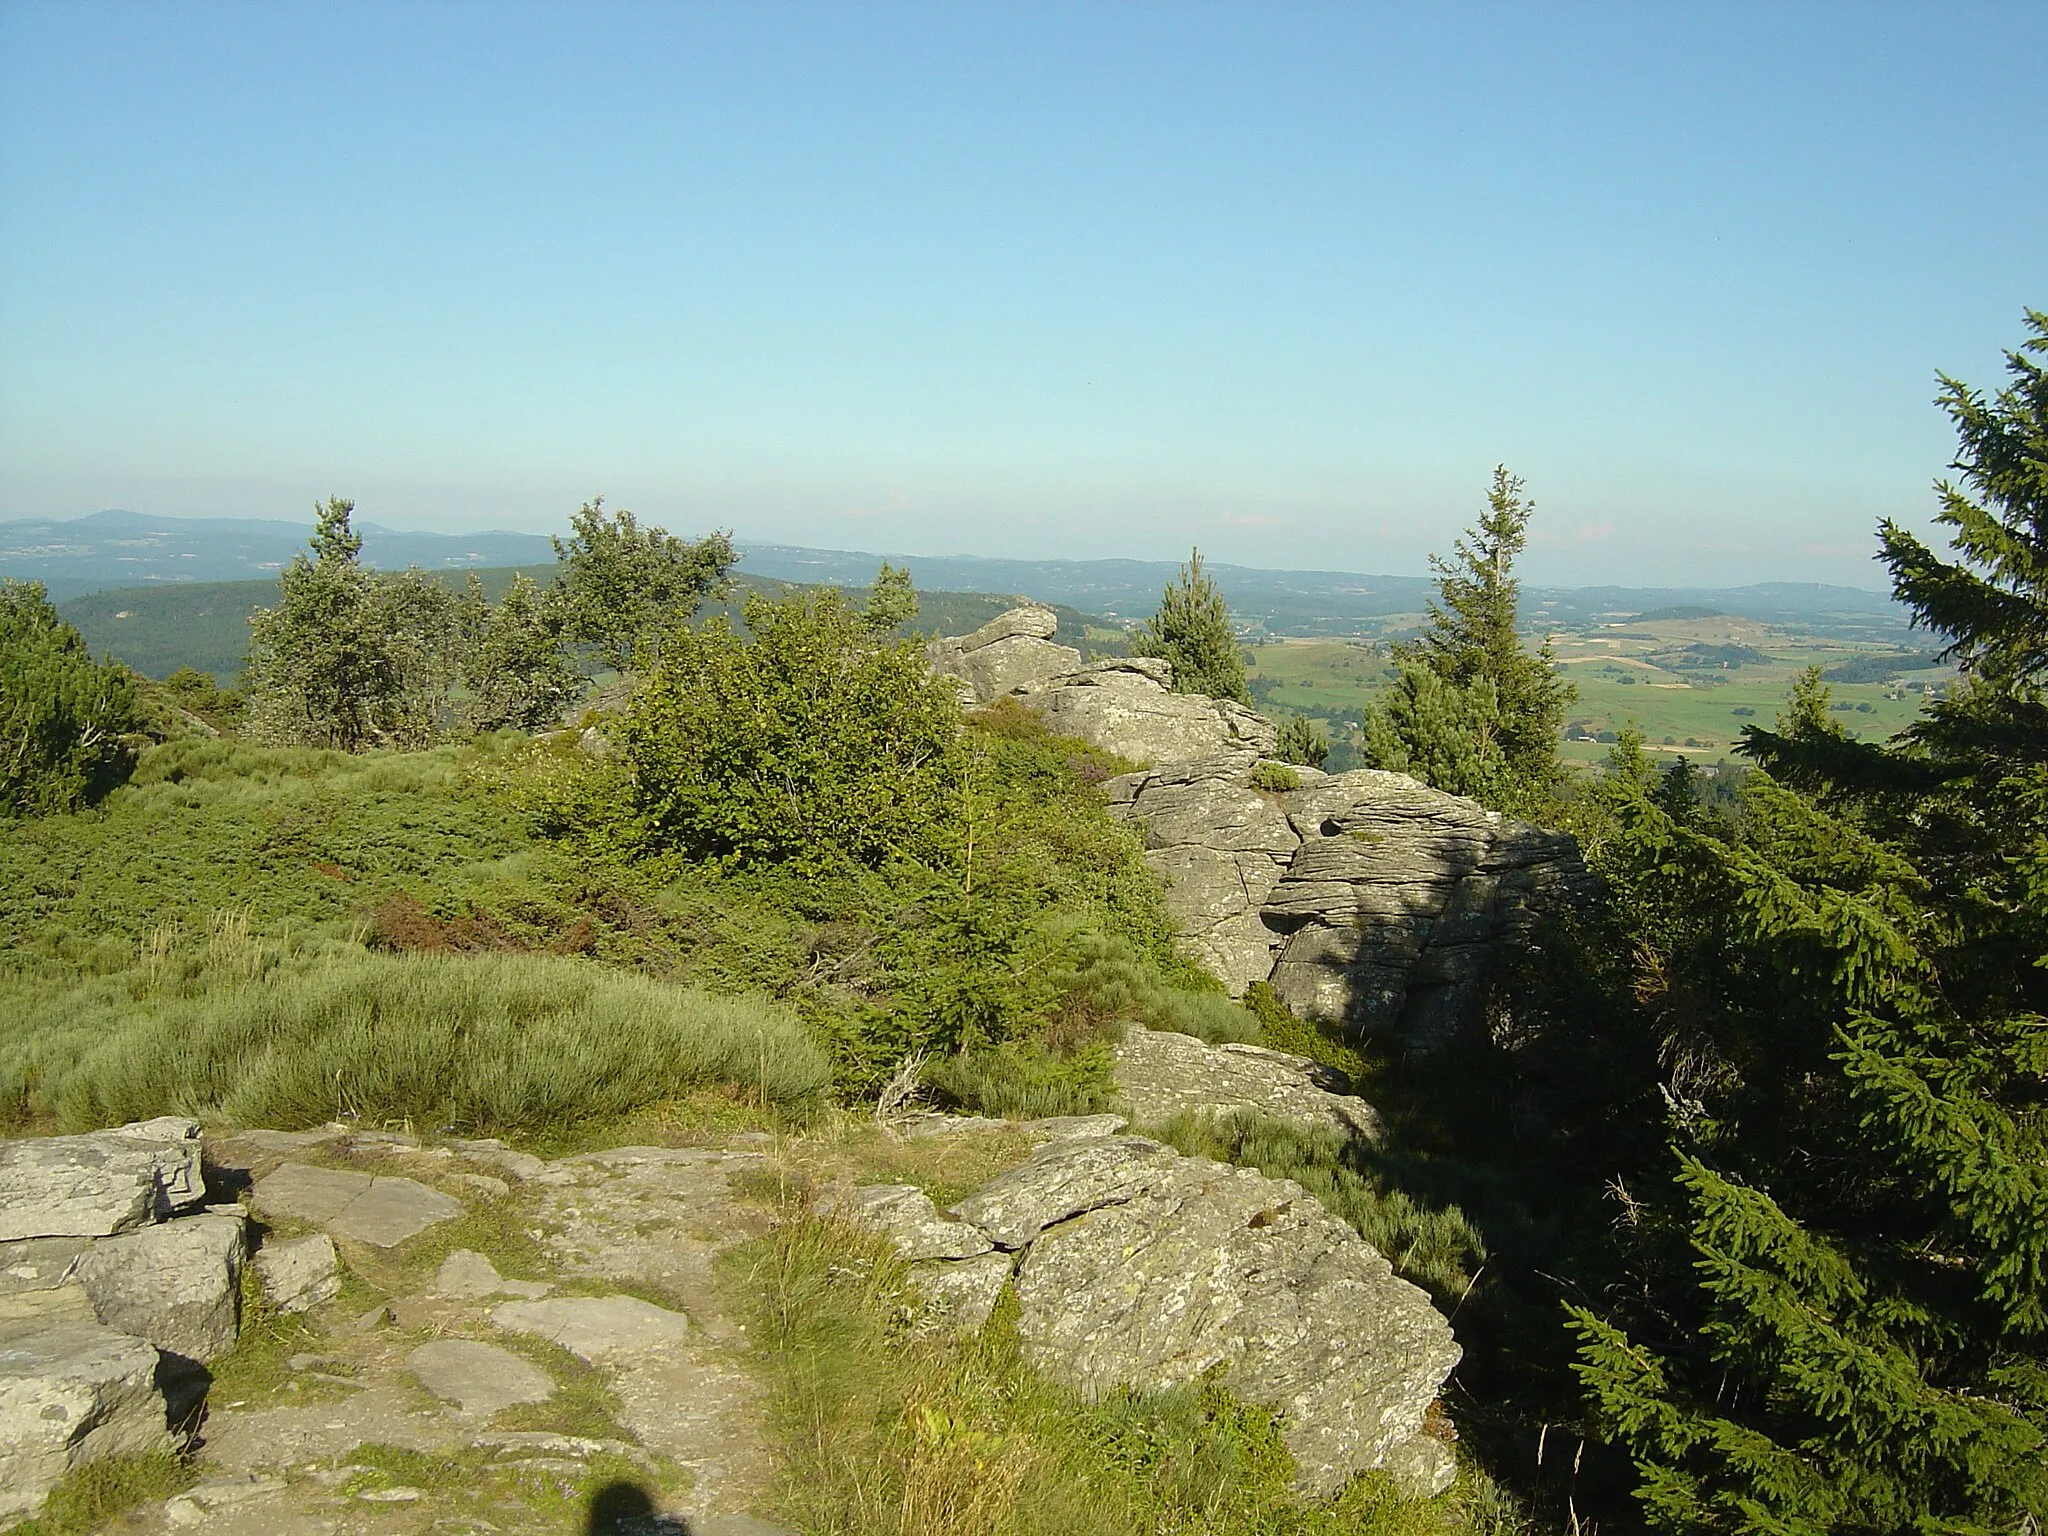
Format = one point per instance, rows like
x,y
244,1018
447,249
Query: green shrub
x,y
514,1043
1023,1080
1283,1031
1275,778
812,739
62,714
1302,741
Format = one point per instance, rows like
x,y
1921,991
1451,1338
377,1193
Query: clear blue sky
x,y
1101,279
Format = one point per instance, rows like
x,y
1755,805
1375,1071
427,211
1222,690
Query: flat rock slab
x,y
68,1396
596,1327
371,1208
99,1183
480,1379
466,1275
1160,1074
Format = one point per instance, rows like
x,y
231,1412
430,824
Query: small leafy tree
x,y
512,659
62,714
1471,640
623,587
323,670
1192,630
812,738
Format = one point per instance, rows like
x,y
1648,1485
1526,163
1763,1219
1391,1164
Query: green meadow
x,y
1689,684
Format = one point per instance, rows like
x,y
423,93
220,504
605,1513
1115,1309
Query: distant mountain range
x,y
132,549
128,549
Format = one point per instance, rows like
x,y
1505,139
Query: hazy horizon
x,y
1054,282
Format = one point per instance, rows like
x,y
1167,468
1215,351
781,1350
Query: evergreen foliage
x,y
1192,630
1441,731
1303,742
623,588
1469,702
62,714
1840,1305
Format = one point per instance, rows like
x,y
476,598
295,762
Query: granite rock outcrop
x,y
1137,1268
1368,900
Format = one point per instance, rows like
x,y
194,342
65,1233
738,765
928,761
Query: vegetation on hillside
x,y
64,718
1738,1188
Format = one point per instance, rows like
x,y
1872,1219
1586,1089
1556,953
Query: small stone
x,y
298,1276
482,1183
374,1209
906,1216
480,1379
195,1505
466,1275
371,1320
595,1327
400,1495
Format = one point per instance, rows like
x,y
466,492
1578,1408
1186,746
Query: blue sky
x,y
1282,280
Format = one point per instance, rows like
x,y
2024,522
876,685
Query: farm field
x,y
1689,683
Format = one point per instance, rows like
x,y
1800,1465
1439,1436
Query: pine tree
x,y
1843,1304
1192,630
1508,746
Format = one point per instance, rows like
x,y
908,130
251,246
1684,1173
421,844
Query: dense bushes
x,y
62,714
813,738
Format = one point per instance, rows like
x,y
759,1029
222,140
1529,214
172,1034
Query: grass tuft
x,y
481,1045
89,1496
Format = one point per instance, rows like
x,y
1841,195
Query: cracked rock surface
x,y
1138,1268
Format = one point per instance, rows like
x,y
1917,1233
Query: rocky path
x,y
465,1339
351,1333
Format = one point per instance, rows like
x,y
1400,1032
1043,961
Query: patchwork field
x,y
1689,681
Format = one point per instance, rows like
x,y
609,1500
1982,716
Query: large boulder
x,y
1402,898
1010,650
99,1183
1136,1268
1219,847
177,1285
69,1395
1198,1265
1160,1074
1127,705
1367,899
